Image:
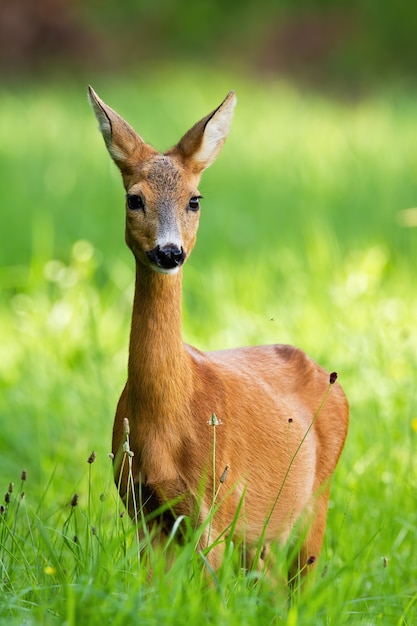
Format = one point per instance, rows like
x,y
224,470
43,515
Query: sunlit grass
x,y
300,241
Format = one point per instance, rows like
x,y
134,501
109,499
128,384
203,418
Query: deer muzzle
x,y
167,258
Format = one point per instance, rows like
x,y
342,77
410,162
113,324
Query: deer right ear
x,y
122,141
203,142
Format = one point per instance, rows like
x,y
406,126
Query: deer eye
x,y
194,203
135,203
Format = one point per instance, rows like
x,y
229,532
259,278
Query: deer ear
x,y
201,145
123,143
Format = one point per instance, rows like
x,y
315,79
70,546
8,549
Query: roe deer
x,y
278,438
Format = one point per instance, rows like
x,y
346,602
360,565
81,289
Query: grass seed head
x,y
214,420
225,473
92,457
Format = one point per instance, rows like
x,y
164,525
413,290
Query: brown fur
x,y
280,453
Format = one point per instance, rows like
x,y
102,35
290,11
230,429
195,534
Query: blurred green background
x,y
308,230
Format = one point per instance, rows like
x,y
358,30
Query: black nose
x,y
168,257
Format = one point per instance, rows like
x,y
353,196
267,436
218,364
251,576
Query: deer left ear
x,y
202,144
123,142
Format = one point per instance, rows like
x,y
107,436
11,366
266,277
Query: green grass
x,y
301,241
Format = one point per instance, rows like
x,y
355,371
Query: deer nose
x,y
168,257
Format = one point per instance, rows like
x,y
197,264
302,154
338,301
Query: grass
x,y
302,240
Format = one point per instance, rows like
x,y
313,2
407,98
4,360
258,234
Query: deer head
x,y
162,196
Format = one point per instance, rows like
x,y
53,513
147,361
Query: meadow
x,y
308,236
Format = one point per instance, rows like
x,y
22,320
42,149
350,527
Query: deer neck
x,y
159,366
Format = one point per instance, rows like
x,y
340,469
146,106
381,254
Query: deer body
x,y
279,448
